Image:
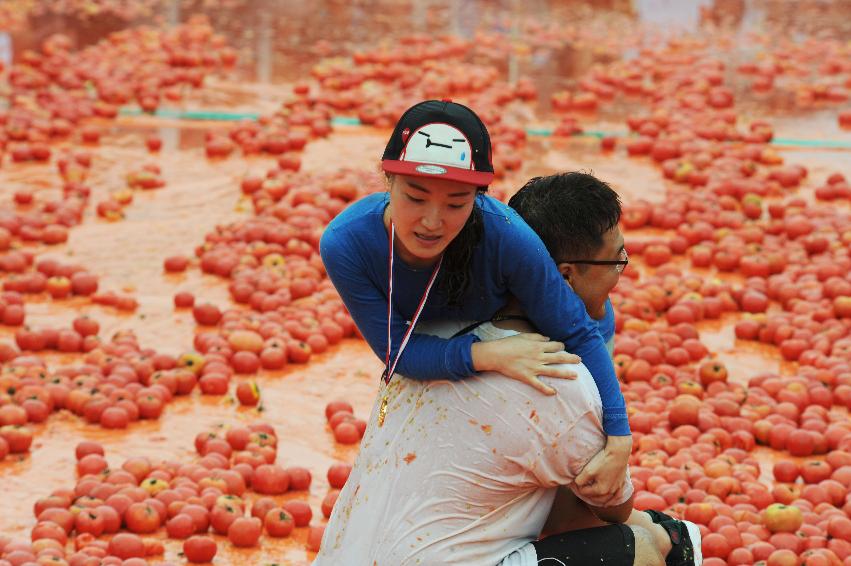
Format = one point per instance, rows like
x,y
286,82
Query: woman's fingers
x,y
533,336
563,358
557,372
551,347
541,386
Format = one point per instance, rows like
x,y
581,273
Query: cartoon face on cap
x,y
438,144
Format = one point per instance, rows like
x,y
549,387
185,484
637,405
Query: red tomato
x,y
206,314
142,518
126,545
329,501
180,526
300,478
335,406
175,264
200,549
314,537
270,479
184,300
346,433
245,531
278,522
338,474
300,511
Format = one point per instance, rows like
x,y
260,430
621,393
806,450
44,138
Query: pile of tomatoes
x,y
232,488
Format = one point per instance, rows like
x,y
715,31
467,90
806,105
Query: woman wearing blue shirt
x,y
435,247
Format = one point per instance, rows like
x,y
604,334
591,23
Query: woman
x,y
436,248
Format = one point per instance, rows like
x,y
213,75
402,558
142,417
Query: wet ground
x,y
278,43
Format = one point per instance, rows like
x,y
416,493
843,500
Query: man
x,y
467,472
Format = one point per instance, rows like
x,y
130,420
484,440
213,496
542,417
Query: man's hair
x,y
569,211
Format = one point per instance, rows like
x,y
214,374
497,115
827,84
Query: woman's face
x,y
428,214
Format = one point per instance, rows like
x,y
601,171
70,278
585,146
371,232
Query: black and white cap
x,y
440,139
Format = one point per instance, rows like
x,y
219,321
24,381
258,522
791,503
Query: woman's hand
x,y
604,474
524,357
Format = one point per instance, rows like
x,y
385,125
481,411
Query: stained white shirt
x,y
463,472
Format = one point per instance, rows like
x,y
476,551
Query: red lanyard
x,y
388,369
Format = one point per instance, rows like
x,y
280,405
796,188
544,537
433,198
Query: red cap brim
x,y
434,171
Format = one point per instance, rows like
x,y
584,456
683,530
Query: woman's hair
x,y
456,270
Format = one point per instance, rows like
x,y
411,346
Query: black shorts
x,y
612,545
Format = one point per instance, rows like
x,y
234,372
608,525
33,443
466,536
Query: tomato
x,y
180,526
314,537
657,254
200,515
89,521
184,300
213,384
111,518
246,340
126,545
300,478
86,326
199,549
338,474
270,479
346,433
300,511
273,358
278,522
49,529
221,517
93,463
142,518
329,501
175,264
245,531
245,362
83,283
337,406
206,314
298,352
114,417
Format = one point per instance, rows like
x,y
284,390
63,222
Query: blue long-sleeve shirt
x,y
510,260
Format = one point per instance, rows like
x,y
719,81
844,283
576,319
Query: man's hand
x,y
604,474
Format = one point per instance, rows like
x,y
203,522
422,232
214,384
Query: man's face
x,y
593,283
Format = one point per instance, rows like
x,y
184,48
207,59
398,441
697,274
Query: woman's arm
x,y
523,357
556,311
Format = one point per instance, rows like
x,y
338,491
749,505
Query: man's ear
x,y
567,270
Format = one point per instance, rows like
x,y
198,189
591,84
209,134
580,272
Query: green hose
x,y
213,115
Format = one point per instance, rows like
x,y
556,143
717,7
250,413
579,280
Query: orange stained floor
x,y
200,194
128,255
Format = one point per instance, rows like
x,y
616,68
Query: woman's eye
x,y
412,199
456,206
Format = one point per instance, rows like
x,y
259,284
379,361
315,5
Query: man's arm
x,y
569,513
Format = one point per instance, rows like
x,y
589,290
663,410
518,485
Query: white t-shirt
x,y
463,472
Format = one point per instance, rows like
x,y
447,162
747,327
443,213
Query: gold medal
x,y
382,410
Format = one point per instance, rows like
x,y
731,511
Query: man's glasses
x,y
620,263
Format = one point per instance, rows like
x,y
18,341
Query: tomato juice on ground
x,y
202,193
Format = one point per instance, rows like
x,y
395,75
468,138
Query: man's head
x,y
576,215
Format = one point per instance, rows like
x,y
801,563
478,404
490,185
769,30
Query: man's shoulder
x,y
578,394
